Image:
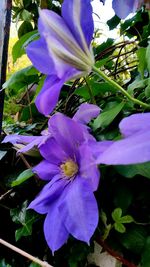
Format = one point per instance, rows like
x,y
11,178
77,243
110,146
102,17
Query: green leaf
x,y
130,171
145,261
98,88
116,214
2,154
126,219
24,176
26,15
19,48
24,28
141,54
148,57
134,239
23,231
4,264
113,22
21,79
108,115
24,217
33,264
119,227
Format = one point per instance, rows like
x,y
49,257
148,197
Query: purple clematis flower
x,y
73,176
123,8
63,51
135,147
85,113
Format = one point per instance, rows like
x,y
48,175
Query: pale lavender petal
x,y
46,170
68,133
53,152
135,123
49,194
78,16
86,113
19,139
38,53
55,232
88,167
34,143
99,147
79,211
131,150
123,8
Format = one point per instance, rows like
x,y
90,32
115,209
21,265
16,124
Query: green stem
x,y
90,90
119,88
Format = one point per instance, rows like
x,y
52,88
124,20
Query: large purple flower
x,y
123,8
68,198
134,147
63,51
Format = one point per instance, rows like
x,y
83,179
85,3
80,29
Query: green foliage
x,y
108,115
25,218
24,176
130,171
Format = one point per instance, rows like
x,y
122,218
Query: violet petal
x,y
38,53
79,211
86,113
46,170
78,16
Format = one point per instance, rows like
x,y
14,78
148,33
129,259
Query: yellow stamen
x,y
69,168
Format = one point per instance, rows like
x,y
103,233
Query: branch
x,y
25,254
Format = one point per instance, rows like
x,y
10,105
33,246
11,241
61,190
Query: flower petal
x,y
48,96
52,152
38,53
19,139
88,167
49,194
135,123
123,8
55,232
86,113
67,133
131,150
78,16
99,147
79,211
46,170
62,46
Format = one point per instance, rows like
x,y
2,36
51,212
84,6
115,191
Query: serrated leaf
x,y
24,217
24,176
106,117
119,227
116,214
23,231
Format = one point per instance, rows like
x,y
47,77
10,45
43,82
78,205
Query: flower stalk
x,y
119,88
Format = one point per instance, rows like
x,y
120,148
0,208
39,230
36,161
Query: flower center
x,y
69,168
